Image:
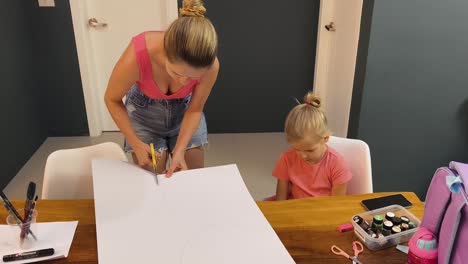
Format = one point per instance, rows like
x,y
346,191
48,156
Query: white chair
x,y
68,173
356,153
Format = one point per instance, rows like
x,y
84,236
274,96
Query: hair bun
x,y
313,100
192,8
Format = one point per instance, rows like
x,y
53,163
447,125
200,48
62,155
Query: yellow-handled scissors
x,y
357,248
155,163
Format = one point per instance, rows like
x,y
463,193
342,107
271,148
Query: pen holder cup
x,y
22,235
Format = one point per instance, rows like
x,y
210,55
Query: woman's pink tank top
x,y
146,82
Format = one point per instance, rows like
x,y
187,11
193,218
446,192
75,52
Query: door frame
x,y
337,99
324,70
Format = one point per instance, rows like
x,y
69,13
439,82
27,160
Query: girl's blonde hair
x,y
191,38
306,120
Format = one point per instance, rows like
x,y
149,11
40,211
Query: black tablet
x,y
376,203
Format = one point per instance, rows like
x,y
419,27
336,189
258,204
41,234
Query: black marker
x,y
29,255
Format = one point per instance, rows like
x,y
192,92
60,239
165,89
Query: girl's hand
x,y
282,190
143,154
177,163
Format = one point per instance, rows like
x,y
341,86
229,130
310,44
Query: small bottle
x,y
412,225
377,223
387,228
405,219
361,222
396,221
389,216
396,230
404,226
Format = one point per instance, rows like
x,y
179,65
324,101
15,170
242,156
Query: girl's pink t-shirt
x,y
311,180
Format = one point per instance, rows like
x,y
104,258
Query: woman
x,y
167,78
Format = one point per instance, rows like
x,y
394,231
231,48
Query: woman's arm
x,y
282,190
339,189
192,117
124,75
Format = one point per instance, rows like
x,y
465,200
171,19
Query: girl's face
x,y
183,73
311,151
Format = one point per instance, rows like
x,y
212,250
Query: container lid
x,y
378,219
405,219
388,225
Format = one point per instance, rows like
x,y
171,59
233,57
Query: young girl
x,y
167,77
310,168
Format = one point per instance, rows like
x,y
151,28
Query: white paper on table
x,y
56,235
196,216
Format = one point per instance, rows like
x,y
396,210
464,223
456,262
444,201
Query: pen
x,y
29,255
12,211
153,158
29,198
10,207
28,219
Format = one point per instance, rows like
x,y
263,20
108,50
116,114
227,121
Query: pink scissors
x,y
357,248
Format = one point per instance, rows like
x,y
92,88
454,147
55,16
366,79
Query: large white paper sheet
x,y
56,235
197,216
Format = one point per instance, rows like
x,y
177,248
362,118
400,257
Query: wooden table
x,y
307,227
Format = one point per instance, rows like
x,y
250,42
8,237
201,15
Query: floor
x,y
254,153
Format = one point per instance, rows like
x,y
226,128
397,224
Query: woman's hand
x,y
177,163
142,152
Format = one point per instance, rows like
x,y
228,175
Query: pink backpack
x,y
446,212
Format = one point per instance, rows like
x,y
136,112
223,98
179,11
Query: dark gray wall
x,y
58,72
21,114
267,55
360,70
414,113
41,86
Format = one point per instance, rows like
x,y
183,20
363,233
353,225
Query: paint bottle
x,y
389,216
396,230
405,219
377,224
412,225
387,228
396,221
404,226
361,222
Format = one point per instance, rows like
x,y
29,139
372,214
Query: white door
x,y
101,42
336,60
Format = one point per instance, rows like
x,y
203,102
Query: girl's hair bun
x,y
313,100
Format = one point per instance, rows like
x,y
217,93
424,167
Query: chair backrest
x,y
356,153
68,173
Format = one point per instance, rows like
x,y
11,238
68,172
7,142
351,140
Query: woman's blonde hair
x,y
191,38
306,120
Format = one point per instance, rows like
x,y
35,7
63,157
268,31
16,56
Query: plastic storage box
x,y
385,241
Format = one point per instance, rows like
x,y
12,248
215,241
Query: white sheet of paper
x,y
57,235
197,216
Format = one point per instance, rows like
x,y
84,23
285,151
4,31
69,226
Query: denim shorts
x,y
158,121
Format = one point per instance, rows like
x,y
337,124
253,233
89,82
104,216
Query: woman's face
x,y
183,73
